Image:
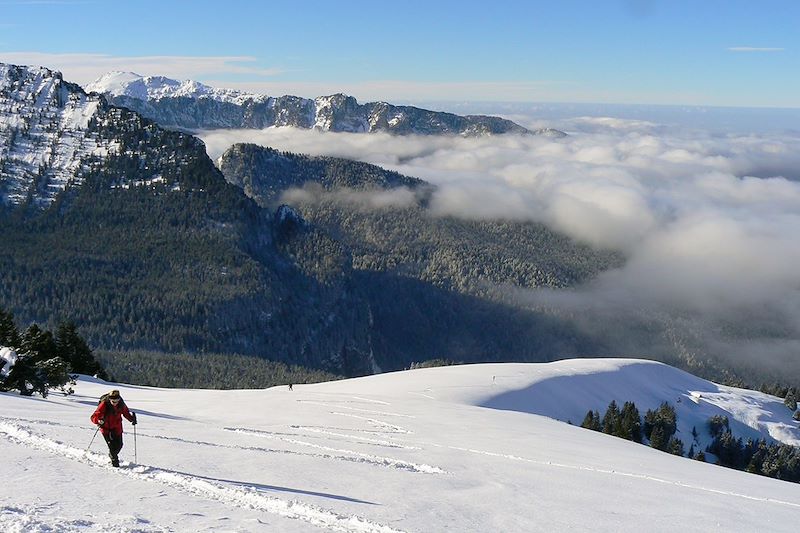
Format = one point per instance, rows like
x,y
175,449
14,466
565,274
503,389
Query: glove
x,y
133,422
100,422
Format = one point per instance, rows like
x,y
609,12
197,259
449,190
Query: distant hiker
x,y
290,386
108,416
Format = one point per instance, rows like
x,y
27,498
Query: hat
x,y
114,395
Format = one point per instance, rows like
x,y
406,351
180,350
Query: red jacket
x,y
112,416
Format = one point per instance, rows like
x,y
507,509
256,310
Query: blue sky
x,y
703,52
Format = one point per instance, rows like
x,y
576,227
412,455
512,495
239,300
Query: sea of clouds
x,y
709,221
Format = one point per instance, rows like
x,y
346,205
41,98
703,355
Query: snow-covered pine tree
x,y
38,367
9,335
791,399
74,350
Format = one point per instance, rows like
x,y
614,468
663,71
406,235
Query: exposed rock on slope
x,y
192,105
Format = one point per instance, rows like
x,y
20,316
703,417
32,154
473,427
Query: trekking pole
x,y
91,441
135,460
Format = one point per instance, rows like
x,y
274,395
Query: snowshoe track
x,y
363,457
240,496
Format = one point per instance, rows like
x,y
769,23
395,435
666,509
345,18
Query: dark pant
x,y
114,441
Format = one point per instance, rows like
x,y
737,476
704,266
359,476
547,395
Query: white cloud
x,y
369,200
85,68
708,223
754,49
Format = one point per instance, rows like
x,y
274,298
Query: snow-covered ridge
x,y
133,85
153,97
566,390
44,141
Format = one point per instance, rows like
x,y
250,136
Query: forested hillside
x,y
204,371
434,285
318,262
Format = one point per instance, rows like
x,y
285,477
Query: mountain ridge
x,y
193,105
146,245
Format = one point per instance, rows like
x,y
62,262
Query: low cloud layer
x,y
709,223
400,197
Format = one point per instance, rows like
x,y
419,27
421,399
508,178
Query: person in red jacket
x,y
108,416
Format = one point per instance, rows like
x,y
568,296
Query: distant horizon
x,y
709,116
722,54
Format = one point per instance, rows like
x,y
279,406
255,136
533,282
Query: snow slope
x,y
467,448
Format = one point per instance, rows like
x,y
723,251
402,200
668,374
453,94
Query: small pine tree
x,y
611,418
38,343
717,425
592,421
630,423
660,425
73,349
38,367
657,438
675,446
791,399
700,456
9,335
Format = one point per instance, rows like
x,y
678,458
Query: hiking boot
x,y
114,461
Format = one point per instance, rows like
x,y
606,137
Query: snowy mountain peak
x,y
140,87
115,82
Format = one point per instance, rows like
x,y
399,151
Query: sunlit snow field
x,y
466,448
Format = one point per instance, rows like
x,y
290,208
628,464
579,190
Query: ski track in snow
x,y
275,450
626,474
368,400
377,442
375,421
373,459
244,496
43,422
422,394
370,411
32,519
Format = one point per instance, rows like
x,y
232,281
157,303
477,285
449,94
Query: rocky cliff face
x,y
191,105
265,174
53,137
131,231
45,140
